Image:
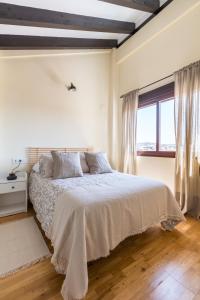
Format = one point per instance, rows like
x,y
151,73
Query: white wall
x,y
37,110
167,43
158,168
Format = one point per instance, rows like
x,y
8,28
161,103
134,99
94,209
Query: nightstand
x,y
13,195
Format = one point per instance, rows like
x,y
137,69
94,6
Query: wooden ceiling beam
x,y
36,17
20,42
143,5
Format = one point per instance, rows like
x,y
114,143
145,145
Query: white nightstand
x,y
13,195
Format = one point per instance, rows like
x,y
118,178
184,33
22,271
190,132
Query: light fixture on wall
x,y
71,87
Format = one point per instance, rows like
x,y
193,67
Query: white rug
x,y
21,245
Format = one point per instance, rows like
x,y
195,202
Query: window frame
x,y
161,94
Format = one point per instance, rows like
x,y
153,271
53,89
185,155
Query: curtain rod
x,y
122,96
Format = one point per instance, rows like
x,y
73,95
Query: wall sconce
x,y
71,87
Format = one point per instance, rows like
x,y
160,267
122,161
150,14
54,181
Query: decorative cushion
x,y
98,163
84,164
46,166
66,165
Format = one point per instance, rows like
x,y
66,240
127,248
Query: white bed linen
x,y
91,215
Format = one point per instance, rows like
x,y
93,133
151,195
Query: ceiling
x,y
35,34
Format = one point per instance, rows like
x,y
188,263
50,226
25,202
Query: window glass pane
x,y
167,131
146,128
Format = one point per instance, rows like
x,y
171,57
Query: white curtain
x,y
129,120
187,124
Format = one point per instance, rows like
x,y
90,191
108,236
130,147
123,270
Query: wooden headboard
x,y
34,153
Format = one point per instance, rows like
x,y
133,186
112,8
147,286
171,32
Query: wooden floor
x,y
156,265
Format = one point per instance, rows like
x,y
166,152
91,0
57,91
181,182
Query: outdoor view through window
x,y
147,127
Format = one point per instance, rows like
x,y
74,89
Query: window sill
x,y
171,154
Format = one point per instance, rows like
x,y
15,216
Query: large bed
x,y
86,217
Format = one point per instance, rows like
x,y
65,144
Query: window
x,y
155,123
167,130
146,128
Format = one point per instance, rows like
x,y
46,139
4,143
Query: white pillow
x,y
36,167
46,166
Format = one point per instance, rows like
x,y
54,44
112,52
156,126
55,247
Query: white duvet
x,y
93,214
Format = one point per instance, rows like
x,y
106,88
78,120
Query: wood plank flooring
x,y
155,265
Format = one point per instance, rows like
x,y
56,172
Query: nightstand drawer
x,y
12,187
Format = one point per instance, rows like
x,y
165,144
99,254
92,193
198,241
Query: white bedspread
x,y
94,213
88,216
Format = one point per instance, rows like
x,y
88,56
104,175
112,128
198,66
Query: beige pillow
x,y
98,163
46,166
66,165
84,164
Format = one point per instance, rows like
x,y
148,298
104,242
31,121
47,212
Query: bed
x,y
86,217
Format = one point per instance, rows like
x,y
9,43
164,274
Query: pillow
x,y
46,166
84,164
36,167
66,165
98,163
